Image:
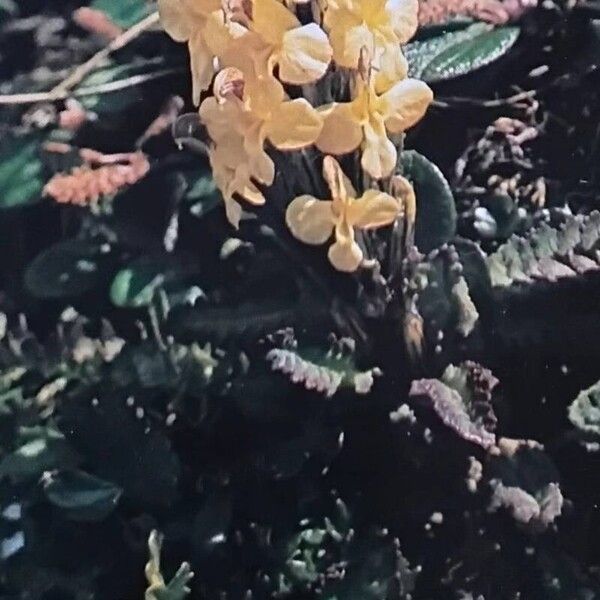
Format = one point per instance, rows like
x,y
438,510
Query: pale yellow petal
x,y
310,220
345,255
173,18
295,124
261,166
201,64
243,185
390,66
339,185
305,55
218,35
341,131
372,210
218,117
405,104
271,20
348,40
404,18
379,154
233,212
404,192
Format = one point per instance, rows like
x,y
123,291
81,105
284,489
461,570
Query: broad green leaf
x,y
426,32
68,269
110,102
124,13
122,447
136,285
47,450
436,212
21,177
202,195
457,53
84,496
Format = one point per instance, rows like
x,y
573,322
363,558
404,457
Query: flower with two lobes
x,y
240,118
313,221
191,21
258,46
276,38
380,26
367,120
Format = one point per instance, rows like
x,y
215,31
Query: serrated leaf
x,y
84,496
456,53
21,171
436,211
68,269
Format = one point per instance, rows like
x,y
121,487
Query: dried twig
x,y
452,101
63,89
92,90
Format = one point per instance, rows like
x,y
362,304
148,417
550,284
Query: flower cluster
x,y
264,59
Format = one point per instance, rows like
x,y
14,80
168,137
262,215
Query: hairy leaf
x,y
457,53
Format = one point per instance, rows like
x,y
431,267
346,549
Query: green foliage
x,y
124,12
113,436
21,171
190,414
43,448
436,212
221,323
69,269
548,252
136,285
320,370
82,496
455,53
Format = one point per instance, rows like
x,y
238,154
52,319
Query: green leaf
x,y
68,269
457,53
45,451
122,445
202,195
122,99
436,211
124,13
21,176
136,285
84,496
225,322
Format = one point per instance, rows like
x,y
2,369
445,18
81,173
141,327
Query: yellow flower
x,y
189,21
231,181
368,119
262,113
276,37
381,26
312,221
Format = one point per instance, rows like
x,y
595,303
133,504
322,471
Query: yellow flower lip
x,y
368,119
228,83
313,221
